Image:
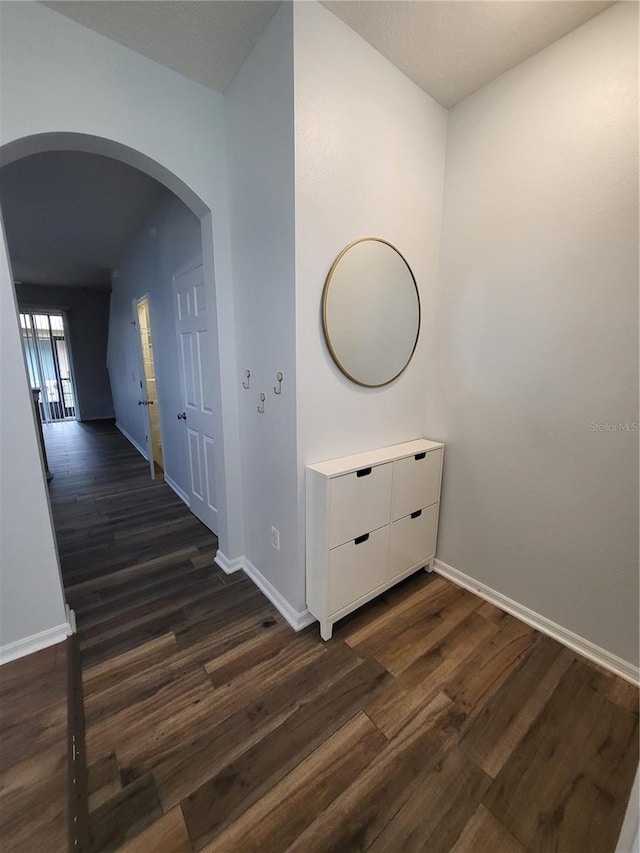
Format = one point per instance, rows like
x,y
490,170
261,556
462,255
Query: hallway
x,y
151,607
132,555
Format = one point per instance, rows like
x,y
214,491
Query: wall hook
x,y
247,384
277,389
262,399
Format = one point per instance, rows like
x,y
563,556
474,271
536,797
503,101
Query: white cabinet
x,y
372,520
356,567
359,502
416,482
411,539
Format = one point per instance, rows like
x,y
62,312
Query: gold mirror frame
x,y
325,325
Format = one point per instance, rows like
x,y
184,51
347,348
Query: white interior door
x,y
197,392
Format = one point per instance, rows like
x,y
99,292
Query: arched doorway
x,y
88,144
60,141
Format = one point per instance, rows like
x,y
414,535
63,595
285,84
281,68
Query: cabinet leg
x,y
326,629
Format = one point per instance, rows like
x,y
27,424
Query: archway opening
x,y
197,463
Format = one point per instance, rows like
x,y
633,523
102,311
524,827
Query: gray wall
x,y
169,239
537,334
32,612
259,123
88,326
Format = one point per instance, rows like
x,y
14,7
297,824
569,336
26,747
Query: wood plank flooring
x,y
33,752
132,555
431,721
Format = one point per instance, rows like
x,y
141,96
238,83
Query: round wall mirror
x,y
371,312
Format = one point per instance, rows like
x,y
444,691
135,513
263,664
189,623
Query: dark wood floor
x,y
33,752
132,555
431,721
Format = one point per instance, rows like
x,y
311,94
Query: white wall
x,y
32,611
58,76
168,240
259,114
536,334
370,149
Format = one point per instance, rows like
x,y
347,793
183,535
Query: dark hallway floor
x,y
132,555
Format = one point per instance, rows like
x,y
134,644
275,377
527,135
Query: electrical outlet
x,y
275,538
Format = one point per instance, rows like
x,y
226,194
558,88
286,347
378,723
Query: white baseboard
x,y
629,838
130,438
578,644
228,566
71,619
184,497
35,643
297,619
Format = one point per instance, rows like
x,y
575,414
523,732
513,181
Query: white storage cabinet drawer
x,y
412,540
361,536
357,567
416,482
359,502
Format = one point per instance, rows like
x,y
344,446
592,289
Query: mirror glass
x,y
371,312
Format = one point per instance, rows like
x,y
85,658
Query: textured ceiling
x,y
68,216
205,41
449,48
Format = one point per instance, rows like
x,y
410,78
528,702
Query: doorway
x,y
148,385
44,341
124,360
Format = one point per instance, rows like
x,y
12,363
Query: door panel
x,y
200,300
210,465
184,304
195,467
195,342
206,391
186,341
